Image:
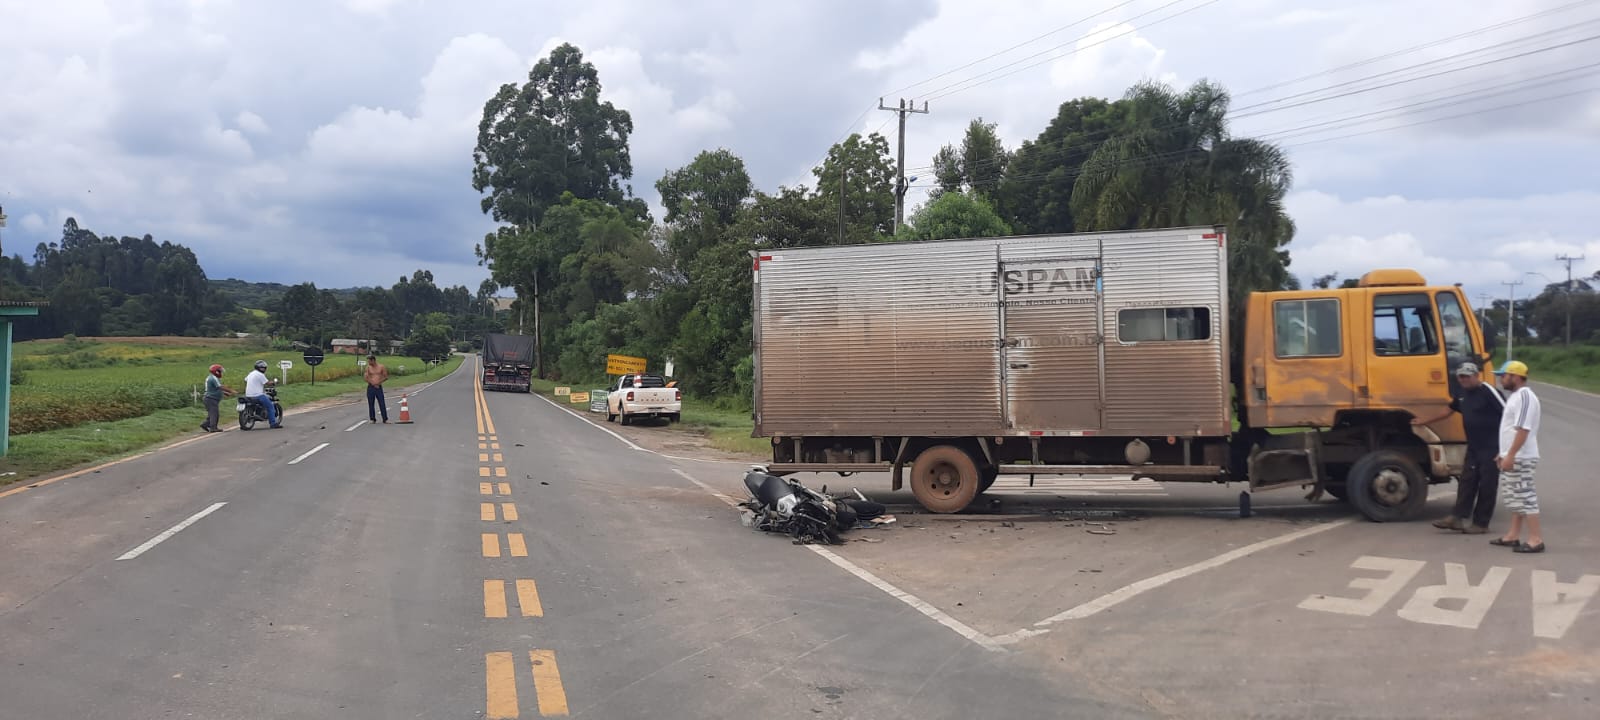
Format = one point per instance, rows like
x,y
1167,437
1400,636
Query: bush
x,y
58,406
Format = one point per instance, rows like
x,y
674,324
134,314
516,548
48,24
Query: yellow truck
x,y
950,363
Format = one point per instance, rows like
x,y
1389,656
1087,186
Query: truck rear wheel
x,y
986,478
944,479
1387,485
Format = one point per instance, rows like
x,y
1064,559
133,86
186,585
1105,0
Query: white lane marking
x,y
308,453
597,426
352,427
714,492
920,605
174,530
1124,594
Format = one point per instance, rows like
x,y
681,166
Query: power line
x,y
1093,138
1157,158
1024,43
1416,48
1457,116
1472,95
975,81
1252,110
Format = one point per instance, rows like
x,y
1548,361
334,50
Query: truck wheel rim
x,y
943,479
1391,487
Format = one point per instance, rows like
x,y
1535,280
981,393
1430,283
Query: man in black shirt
x,y
1480,407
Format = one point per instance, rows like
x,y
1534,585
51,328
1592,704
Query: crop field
x,y
76,401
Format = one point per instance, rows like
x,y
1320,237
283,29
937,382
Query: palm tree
x,y
1176,165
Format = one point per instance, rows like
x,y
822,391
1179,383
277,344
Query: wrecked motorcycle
x,y
783,505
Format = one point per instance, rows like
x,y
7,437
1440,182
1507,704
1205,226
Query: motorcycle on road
x,y
783,505
251,412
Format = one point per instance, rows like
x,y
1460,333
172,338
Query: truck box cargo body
x,y
996,337
1104,354
508,362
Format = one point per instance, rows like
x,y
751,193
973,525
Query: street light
x,y
1511,318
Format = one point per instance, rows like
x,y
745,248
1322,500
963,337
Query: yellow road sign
x,y
624,365
563,391
579,398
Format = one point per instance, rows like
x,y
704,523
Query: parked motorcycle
x,y
251,412
783,505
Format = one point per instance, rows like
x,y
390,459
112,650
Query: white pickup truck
x,y
642,396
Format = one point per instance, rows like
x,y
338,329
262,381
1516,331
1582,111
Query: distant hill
x,y
260,295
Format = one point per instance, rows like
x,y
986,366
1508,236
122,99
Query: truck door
x,y
1051,366
1303,375
1406,366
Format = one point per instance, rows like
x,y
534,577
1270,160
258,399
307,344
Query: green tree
x,y
583,254
1035,195
702,199
1175,164
429,342
551,136
954,215
789,218
977,166
867,172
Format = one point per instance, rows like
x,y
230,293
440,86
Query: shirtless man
x,y
376,374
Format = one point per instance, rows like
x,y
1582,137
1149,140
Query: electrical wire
x,y
1024,43
976,81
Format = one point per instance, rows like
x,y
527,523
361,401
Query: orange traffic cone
x,y
405,411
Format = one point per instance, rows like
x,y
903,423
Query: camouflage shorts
x,y
1516,487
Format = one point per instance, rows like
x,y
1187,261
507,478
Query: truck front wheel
x,y
1387,485
944,479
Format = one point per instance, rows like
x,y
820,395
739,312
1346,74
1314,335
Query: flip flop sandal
x,y
1502,542
1529,548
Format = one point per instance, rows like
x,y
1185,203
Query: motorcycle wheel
x,y
247,420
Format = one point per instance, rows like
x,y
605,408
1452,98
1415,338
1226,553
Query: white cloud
x,y
1477,241
371,7
251,123
340,134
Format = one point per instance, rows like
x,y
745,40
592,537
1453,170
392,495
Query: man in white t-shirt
x,y
255,388
1519,458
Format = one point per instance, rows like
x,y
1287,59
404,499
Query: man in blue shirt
x,y
1480,407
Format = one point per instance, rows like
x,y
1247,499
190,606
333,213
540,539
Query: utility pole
x,y
1511,318
1568,259
844,174
904,109
538,339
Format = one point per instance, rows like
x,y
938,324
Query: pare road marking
x,y
1458,601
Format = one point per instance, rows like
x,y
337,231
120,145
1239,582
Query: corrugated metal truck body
x,y
1092,334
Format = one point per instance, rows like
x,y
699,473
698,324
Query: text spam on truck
x,y
1103,354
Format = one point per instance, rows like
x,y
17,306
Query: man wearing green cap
x,y
1519,458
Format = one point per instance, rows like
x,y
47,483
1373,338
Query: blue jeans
x,y
272,408
375,395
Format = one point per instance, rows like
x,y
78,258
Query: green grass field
x,y
726,429
1576,367
92,401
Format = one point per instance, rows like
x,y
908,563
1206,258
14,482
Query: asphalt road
x,y
419,571
354,571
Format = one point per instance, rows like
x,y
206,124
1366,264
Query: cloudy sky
x,y
331,140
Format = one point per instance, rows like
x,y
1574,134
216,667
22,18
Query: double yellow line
x,y
500,672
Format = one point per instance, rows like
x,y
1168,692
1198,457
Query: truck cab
x,y
1350,368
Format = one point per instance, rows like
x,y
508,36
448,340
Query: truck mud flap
x,y
1286,460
